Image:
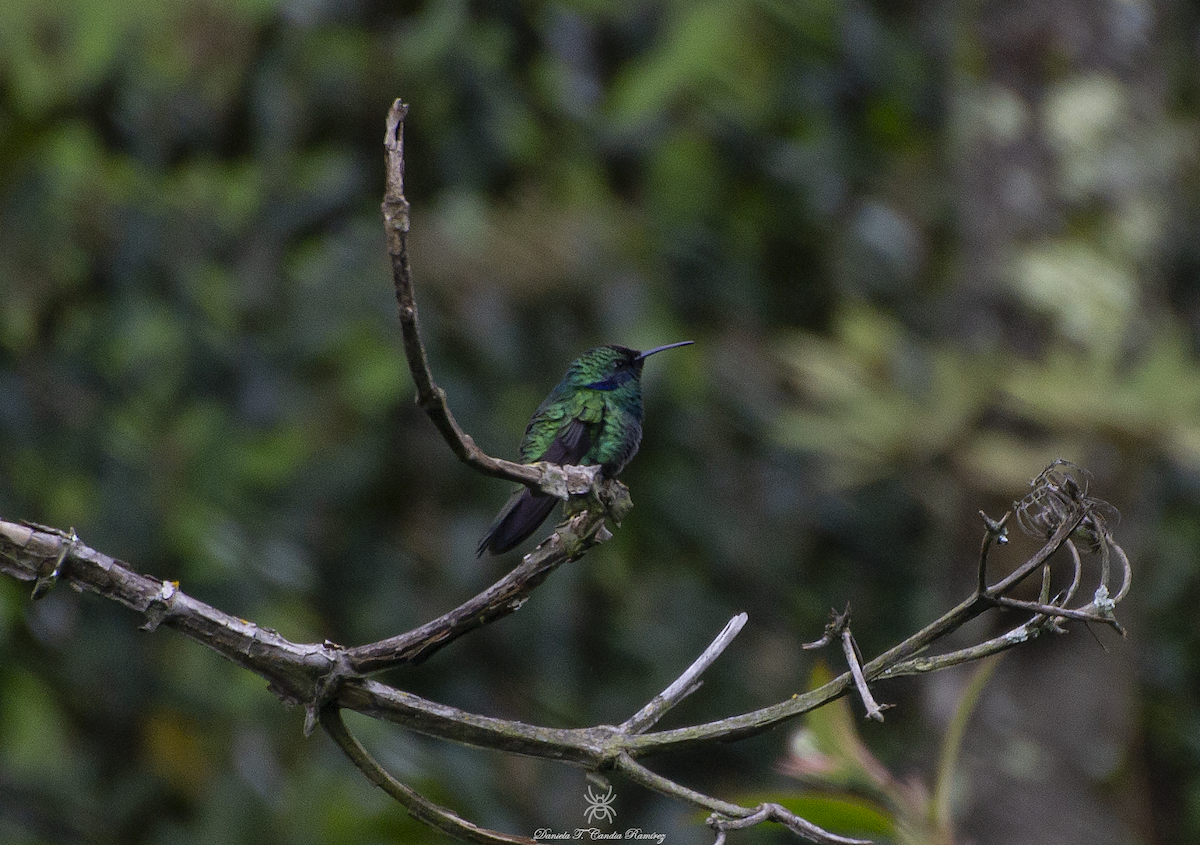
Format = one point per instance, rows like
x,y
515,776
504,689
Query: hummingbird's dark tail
x,y
519,518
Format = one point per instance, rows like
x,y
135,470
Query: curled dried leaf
x,y
1059,494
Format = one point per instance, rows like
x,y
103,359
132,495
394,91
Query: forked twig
x,y
729,816
777,813
838,628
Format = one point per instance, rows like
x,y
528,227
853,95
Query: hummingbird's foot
x,y
612,495
563,482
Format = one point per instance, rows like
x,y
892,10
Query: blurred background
x,y
924,248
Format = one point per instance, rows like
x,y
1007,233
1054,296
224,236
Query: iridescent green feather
x,y
593,416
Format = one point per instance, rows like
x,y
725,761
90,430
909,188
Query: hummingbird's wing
x,y
571,444
525,509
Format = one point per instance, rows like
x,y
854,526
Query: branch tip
x,y
997,529
685,684
854,660
833,629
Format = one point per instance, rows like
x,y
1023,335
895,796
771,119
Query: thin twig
x,y
1053,610
420,807
850,649
1047,614
500,599
46,582
996,532
1024,632
732,813
838,628
1104,561
1077,577
1052,545
430,397
757,721
780,814
1126,570
685,684
833,629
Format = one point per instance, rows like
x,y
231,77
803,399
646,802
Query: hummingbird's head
x,y
609,367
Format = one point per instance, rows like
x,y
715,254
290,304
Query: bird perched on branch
x,y
593,416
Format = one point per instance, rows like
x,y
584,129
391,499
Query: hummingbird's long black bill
x,y
649,352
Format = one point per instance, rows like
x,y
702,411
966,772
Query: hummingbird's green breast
x,y
597,420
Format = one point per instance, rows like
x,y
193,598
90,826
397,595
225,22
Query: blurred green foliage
x,y
847,788
200,371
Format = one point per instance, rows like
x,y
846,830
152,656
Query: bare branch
x,y
921,665
319,676
420,807
780,814
729,816
290,668
850,649
430,397
570,540
1076,577
888,663
1055,611
997,532
1126,570
685,684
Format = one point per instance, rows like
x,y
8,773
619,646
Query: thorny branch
x,y
326,677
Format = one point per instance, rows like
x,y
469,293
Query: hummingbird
x,y
593,416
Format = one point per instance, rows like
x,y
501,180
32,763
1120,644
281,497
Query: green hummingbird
x,y
593,416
